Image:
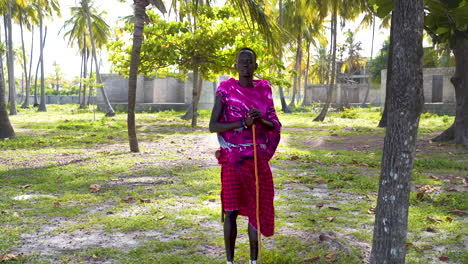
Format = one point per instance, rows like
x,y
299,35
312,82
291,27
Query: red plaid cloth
x,y
238,193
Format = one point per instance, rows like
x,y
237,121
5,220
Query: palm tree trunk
x,y
404,109
81,80
138,26
306,99
299,76
197,87
109,110
383,119
85,74
458,132
28,82
11,64
42,105
91,90
296,68
371,55
25,68
331,87
284,106
6,130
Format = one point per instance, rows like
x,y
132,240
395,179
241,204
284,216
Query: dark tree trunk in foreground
x,y
383,120
331,87
140,7
458,132
404,109
105,99
6,130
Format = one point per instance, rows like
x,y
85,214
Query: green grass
x,y
57,155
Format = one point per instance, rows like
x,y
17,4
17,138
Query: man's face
x,y
246,64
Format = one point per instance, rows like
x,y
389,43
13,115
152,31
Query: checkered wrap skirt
x,y
238,193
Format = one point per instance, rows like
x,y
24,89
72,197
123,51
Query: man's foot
x,y
252,261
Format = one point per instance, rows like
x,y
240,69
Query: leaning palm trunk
x,y
305,101
296,68
109,110
331,87
28,82
25,68
38,65
138,27
284,105
11,65
42,105
6,130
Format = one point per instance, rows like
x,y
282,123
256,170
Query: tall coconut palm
x,y
284,106
107,105
10,58
140,15
78,34
26,17
348,9
44,8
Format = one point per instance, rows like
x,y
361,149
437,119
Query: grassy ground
x,y
70,191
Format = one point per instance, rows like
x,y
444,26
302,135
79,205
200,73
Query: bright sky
x,y
57,50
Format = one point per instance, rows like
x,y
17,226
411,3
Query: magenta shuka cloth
x,y
236,159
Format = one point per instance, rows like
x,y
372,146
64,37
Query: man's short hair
x,y
248,50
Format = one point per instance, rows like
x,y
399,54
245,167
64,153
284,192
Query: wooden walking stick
x,y
257,197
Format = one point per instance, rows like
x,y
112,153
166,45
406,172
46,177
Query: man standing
x,y
238,105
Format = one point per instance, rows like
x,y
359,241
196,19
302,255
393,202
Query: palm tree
x,y
140,14
349,9
10,59
78,34
107,105
331,88
47,8
284,106
26,16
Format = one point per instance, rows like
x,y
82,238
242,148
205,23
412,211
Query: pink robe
x,y
236,158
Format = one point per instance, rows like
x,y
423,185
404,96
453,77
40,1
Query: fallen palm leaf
x,y
457,212
145,200
94,188
128,200
18,214
10,256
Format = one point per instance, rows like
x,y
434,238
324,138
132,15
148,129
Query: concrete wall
x,y
317,93
448,91
157,91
